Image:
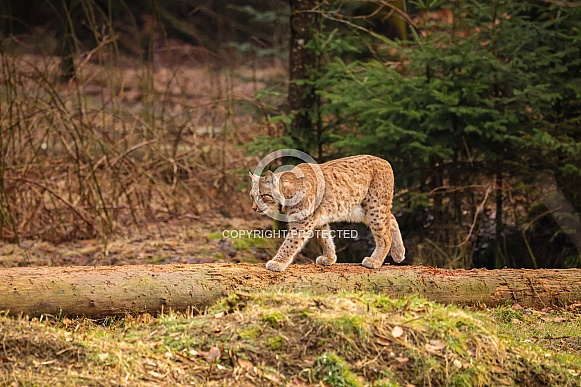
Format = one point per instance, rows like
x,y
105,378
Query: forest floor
x,y
274,339
174,241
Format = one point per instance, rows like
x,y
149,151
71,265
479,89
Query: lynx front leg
x,y
295,240
326,241
380,228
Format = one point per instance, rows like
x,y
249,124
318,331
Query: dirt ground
x,y
184,240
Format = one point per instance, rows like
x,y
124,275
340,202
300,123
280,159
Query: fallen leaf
x,y
438,344
103,356
402,359
516,307
457,363
397,331
67,321
193,352
245,364
434,346
382,341
213,354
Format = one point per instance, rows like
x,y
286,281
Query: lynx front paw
x,y
371,263
275,265
323,260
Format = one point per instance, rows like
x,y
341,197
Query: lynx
x,y
356,189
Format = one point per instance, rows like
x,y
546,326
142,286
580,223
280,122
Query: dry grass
x,y
126,164
289,339
120,145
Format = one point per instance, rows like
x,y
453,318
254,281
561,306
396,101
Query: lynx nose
x,y
254,206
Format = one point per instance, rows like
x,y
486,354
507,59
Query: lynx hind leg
x,y
324,238
397,246
380,228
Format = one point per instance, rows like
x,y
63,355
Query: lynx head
x,y
275,191
264,192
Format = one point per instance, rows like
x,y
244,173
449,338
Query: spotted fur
x,y
357,189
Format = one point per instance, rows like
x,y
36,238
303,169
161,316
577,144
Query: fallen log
x,y
98,292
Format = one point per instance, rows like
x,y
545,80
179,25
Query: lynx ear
x,y
254,177
272,179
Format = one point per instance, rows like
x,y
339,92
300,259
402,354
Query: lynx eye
x,y
267,196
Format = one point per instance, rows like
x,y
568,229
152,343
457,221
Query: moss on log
x,y
98,292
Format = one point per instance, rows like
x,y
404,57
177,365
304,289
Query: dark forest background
x,y
119,113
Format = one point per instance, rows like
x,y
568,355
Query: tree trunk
x,y
105,291
301,95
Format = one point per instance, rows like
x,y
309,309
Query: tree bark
x,y
301,95
98,292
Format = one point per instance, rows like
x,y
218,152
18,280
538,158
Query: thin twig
x,y
478,211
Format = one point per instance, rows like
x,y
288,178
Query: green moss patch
x,y
355,339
